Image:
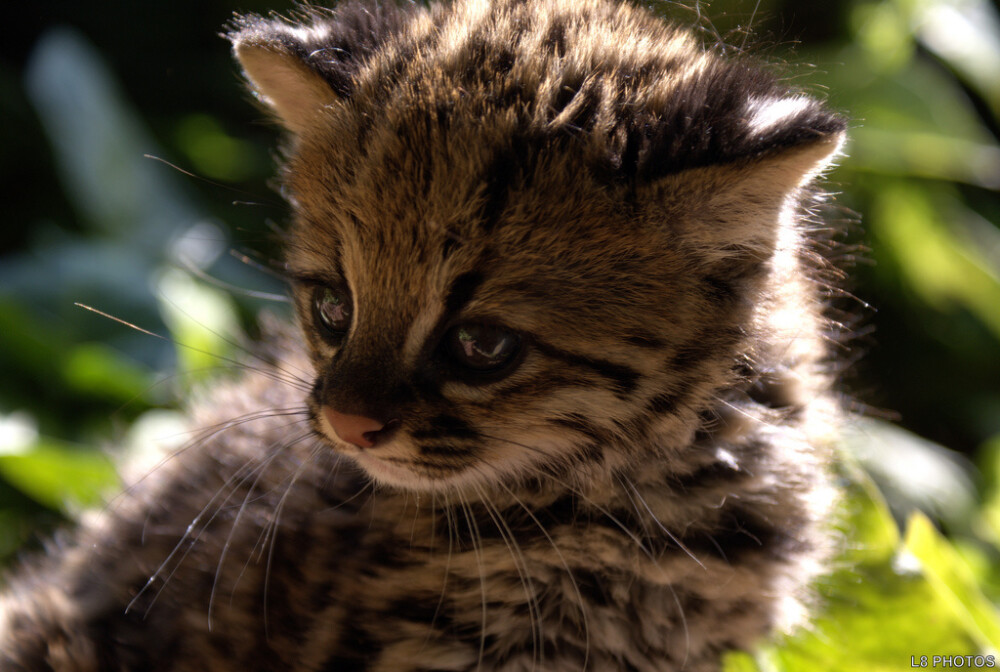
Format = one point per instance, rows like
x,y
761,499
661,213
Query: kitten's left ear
x,y
790,140
736,207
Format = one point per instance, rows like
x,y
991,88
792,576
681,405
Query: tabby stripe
x,y
462,290
709,477
579,423
356,650
499,180
624,377
444,450
446,426
664,404
645,340
704,346
741,534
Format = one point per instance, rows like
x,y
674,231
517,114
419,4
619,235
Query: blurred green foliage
x,y
91,221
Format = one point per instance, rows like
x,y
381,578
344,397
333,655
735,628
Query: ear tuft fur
x,y
298,68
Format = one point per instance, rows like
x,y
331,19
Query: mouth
x,y
383,470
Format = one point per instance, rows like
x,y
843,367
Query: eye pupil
x,y
333,307
482,347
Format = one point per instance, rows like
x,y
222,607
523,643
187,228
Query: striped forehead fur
x,y
647,98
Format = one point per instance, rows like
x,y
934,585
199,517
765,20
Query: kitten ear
x,y
778,174
280,77
297,69
792,138
738,208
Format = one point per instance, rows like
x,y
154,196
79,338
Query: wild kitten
x,y
559,400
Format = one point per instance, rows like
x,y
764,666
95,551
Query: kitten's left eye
x,y
333,309
482,347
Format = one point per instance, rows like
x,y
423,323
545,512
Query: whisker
x,y
222,358
273,452
562,559
263,268
220,185
521,566
274,533
477,550
193,269
626,484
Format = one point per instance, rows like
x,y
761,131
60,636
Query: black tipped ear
x,y
783,168
795,127
737,207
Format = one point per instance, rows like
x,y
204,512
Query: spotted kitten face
x,y
523,248
463,329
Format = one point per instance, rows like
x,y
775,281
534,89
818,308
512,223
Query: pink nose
x,y
357,429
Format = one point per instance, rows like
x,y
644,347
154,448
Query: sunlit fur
x,y
643,488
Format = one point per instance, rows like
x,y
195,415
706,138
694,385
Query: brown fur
x,y
641,487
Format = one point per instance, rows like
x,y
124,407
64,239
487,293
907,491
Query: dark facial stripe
x,y
663,404
644,340
462,290
499,180
580,424
623,377
446,426
443,450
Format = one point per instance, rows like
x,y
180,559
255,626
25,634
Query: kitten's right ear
x,y
278,72
298,68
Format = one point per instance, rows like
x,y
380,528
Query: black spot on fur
x,y
777,391
663,404
579,423
356,651
645,341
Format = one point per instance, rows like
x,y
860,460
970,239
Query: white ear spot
x,y
763,114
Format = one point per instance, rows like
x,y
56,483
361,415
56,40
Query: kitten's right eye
x,y
482,348
333,309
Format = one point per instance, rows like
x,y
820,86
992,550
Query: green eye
x,y
333,309
482,347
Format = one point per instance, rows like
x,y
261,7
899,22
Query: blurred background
x,y
135,181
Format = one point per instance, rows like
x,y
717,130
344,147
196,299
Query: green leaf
x,y
58,475
990,461
214,153
937,265
739,661
202,321
872,534
97,370
953,581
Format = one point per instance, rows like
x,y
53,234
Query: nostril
x,y
384,433
359,430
